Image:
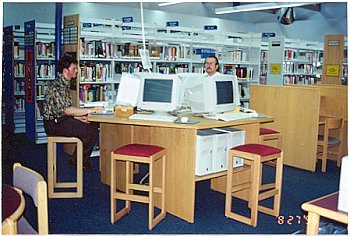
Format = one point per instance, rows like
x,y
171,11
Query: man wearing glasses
x,y
63,119
211,66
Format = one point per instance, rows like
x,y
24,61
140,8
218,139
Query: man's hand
x,y
82,119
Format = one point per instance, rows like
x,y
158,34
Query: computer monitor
x,y
213,95
129,90
160,92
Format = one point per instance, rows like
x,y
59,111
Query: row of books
x,y
45,71
94,93
205,52
235,56
41,90
298,68
292,79
18,51
166,69
100,49
245,73
45,50
293,54
19,104
95,72
19,87
128,67
18,69
263,55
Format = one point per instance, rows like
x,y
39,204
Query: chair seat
x,y
140,150
331,140
264,131
258,149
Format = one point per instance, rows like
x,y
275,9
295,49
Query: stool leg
x,y
79,169
50,167
256,176
228,202
278,185
54,164
324,158
112,190
163,184
151,196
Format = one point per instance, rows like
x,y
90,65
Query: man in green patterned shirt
x,y
63,119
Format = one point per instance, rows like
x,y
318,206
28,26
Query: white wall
x,y
313,29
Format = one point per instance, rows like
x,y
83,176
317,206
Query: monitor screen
x,y
156,90
224,94
160,92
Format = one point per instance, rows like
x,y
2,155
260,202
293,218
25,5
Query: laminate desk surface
x,y
180,143
203,122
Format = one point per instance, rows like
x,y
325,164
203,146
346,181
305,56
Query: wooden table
x,y
326,206
180,142
13,205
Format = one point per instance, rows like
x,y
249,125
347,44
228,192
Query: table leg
x,y
313,223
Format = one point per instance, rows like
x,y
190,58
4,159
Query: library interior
x,y
210,118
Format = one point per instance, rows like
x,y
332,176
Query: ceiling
x,y
329,10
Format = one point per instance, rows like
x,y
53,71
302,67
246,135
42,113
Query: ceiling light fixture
x,y
259,7
168,3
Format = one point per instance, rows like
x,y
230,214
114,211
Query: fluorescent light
x,y
259,7
168,3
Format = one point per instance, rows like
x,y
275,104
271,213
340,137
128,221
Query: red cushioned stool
x,y
138,153
270,134
255,155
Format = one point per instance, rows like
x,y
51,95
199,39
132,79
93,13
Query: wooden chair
x,y
33,184
138,153
270,134
255,155
326,141
52,169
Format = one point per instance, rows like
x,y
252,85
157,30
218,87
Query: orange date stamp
x,y
291,219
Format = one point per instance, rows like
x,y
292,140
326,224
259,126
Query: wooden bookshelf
x,y
333,59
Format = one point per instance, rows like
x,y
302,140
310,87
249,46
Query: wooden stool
x,y
138,153
270,134
52,169
255,155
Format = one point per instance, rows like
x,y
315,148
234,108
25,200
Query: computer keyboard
x,y
230,116
153,117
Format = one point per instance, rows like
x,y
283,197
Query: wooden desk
x,y
180,142
13,205
326,206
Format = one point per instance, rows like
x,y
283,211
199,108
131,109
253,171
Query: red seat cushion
x,y
258,149
140,150
268,131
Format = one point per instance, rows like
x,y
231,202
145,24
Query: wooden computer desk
x,y
326,206
180,142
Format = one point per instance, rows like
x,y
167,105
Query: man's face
x,y
72,71
210,66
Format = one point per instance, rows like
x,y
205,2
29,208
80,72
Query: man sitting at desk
x,y
211,66
62,119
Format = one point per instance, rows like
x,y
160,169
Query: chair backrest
x,y
32,183
333,124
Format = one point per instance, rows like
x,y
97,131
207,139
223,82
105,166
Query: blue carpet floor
x,y
91,214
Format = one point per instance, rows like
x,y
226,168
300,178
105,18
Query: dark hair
x,y
65,62
216,59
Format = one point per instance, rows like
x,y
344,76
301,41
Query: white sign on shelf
x,y
146,62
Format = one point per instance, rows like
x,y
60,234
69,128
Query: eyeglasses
x,y
210,63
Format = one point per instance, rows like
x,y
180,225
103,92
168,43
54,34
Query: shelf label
x,y
333,43
275,68
87,25
268,35
172,23
128,19
210,27
332,70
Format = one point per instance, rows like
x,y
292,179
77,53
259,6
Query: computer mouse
x,y
184,119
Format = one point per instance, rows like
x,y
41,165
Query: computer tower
x,y
204,152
